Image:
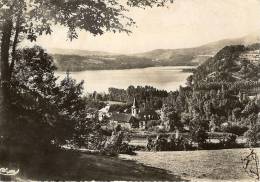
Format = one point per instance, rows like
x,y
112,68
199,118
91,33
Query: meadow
x,y
203,165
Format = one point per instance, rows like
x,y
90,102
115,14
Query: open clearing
x,y
203,165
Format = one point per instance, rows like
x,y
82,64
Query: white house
x,y
104,112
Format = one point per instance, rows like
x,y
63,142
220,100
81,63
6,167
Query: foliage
x,y
235,129
175,121
31,18
120,108
72,111
198,130
33,92
253,135
37,17
223,62
147,96
229,141
171,143
44,112
115,144
91,103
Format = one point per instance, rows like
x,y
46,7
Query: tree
x,y
198,130
72,123
44,112
31,18
32,100
175,121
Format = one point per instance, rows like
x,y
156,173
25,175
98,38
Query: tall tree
x,y
33,92
32,18
44,112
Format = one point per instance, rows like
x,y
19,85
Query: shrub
x,y
198,130
235,129
229,141
125,148
179,144
253,135
162,143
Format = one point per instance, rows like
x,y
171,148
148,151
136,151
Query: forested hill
x,y
231,64
79,60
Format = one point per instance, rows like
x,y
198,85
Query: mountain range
x,y
79,60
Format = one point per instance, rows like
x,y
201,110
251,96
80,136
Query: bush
x,y
115,145
179,144
162,143
229,141
235,129
125,148
253,135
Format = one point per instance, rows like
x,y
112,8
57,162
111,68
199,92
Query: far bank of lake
x,y
166,78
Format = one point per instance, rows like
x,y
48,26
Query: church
x,y
138,118
127,121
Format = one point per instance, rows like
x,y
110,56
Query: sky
x,y
185,23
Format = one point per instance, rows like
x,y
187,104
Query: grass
x,y
203,165
76,166
206,165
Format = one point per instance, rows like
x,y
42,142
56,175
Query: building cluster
x,y
139,118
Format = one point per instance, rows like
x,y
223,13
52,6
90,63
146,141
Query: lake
x,y
167,78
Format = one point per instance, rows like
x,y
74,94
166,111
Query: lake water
x,y
168,78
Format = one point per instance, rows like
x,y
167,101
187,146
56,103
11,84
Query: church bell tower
x,y
134,109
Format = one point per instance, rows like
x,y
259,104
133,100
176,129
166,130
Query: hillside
x,y
231,64
78,60
201,53
81,63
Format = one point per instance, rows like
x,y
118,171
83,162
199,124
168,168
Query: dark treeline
x,y
147,95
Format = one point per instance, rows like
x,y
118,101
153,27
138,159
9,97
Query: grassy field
x,y
204,165
77,166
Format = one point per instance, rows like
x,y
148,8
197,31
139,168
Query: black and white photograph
x,y
130,90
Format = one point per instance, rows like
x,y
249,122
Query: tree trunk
x,y
15,42
5,72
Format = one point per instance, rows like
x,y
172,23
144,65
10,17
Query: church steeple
x,y
134,109
134,103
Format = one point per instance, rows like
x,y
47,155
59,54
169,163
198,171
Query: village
x,y
138,118
145,122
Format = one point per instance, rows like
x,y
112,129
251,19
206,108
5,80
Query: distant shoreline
x,y
183,68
